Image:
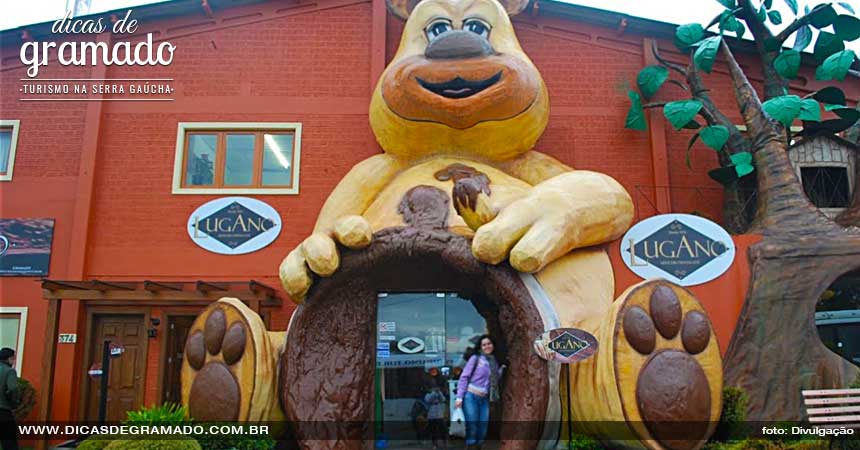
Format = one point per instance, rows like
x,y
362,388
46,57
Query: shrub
x,y
732,425
237,442
767,444
27,400
583,442
95,442
153,444
165,414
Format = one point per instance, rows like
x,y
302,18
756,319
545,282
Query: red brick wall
x,y
43,186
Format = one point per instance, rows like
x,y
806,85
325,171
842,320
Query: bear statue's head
x,y
459,84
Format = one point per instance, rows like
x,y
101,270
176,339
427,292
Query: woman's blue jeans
x,y
477,412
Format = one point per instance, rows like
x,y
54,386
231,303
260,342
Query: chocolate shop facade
x,y
125,219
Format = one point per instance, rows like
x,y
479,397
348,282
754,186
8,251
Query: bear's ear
x,y
514,7
401,8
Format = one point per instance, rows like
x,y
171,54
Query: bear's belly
x,y
435,178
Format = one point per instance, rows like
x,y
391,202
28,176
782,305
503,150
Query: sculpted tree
x,y
775,351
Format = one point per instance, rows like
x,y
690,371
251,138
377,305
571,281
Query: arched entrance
x,y
328,373
837,317
422,343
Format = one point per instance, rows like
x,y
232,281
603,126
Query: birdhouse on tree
x,y
826,165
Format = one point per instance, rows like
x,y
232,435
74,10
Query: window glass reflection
x,y
5,148
239,161
277,159
201,159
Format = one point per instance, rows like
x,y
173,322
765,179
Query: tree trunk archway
x,y
327,373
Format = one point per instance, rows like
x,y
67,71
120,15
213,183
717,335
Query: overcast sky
x,y
23,12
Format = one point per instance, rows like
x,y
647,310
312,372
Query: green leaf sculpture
x,y
707,52
830,95
681,112
847,27
803,38
636,115
810,110
744,169
847,118
822,16
650,79
784,108
689,34
826,45
775,17
846,7
787,63
715,136
728,22
743,163
836,66
723,175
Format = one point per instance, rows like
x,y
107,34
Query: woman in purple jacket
x,y
477,387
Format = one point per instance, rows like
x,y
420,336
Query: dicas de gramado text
x,y
123,53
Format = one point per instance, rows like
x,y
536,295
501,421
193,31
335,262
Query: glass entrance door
x,y
420,345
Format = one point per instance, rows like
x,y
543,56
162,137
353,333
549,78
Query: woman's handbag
x,y
458,423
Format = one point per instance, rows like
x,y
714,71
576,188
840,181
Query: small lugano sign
x,y
685,249
234,225
566,345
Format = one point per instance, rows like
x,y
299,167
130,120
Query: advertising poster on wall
x,y
25,247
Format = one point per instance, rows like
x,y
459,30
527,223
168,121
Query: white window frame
x,y
22,333
16,125
185,127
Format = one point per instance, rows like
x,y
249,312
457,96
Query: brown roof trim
x,y
168,292
833,137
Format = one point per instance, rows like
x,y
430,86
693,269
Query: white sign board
x,y
234,225
682,248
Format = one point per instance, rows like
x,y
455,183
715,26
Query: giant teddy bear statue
x,y
459,201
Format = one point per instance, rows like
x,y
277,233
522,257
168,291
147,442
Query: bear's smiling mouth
x,y
458,87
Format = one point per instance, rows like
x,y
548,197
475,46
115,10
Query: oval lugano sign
x,y
566,345
234,225
682,248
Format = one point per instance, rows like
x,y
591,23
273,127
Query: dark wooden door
x,y
127,372
177,333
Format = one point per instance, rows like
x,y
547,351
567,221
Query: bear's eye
x,y
478,27
436,28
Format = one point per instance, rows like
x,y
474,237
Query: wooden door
x,y
127,372
177,333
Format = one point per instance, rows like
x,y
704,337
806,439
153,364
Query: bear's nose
x,y
458,44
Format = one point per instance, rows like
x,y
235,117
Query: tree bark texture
x,y
775,351
739,201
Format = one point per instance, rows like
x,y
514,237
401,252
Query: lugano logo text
x,y
82,53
